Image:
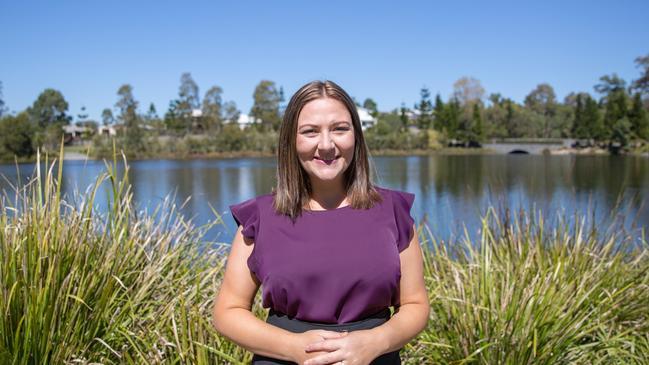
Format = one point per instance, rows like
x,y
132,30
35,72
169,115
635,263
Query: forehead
x,y
324,110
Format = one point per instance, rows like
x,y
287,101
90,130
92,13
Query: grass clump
x,y
526,294
117,287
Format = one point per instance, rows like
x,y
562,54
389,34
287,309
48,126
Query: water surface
x,y
452,192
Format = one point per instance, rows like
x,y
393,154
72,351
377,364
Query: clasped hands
x,y
321,347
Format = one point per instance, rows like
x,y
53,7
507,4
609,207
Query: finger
x,y
329,334
327,345
330,358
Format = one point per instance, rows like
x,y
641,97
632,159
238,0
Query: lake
x,y
452,191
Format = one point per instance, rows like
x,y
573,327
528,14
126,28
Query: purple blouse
x,y
330,266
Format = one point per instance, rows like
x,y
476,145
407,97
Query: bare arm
x,y
233,318
361,347
412,316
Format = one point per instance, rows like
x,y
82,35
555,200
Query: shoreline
x,y
75,155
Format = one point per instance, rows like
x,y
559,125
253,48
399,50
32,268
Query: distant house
x,y
197,113
367,120
113,129
108,130
73,133
244,121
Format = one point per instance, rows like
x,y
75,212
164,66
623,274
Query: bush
x,y
119,287
16,137
524,294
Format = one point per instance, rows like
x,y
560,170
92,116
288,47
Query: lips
x,y
326,161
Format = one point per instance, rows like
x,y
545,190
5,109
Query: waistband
x,y
295,325
298,326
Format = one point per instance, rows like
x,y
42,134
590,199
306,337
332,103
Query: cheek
x,y
349,145
302,146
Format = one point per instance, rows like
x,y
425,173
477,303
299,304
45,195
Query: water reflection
x,y
452,191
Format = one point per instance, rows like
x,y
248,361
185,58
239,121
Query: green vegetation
x,y
119,287
127,287
616,119
525,294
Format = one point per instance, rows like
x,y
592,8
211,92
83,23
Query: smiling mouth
x,y
326,161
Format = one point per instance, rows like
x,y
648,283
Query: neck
x,y
327,196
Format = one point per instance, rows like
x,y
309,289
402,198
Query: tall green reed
x,y
527,294
79,286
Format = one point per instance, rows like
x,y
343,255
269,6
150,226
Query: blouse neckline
x,y
328,210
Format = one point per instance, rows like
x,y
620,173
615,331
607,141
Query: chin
x,y
330,176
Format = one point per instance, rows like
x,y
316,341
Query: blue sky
x,y
385,50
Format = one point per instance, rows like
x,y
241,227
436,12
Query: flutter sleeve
x,y
246,214
402,202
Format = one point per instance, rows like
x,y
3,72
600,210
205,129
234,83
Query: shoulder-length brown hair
x,y
293,185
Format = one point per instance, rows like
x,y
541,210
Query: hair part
x,y
293,190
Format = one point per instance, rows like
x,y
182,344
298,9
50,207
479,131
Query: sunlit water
x,y
452,192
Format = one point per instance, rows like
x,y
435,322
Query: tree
x,y
187,102
3,109
49,114
620,134
579,128
494,117
403,116
83,115
468,90
638,118
464,131
173,120
439,123
266,105
188,92
542,100
616,109
49,108
520,121
230,112
592,119
571,99
107,117
127,106
370,105
16,136
452,114
212,108
641,84
152,113
478,130
425,108
609,84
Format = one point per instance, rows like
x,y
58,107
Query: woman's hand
x,y
357,348
302,340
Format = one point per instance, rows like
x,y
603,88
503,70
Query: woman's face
x,y
325,140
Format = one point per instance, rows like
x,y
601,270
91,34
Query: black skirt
x,y
297,326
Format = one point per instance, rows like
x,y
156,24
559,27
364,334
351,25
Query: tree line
x,y
617,117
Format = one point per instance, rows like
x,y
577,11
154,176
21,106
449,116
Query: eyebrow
x,y
334,123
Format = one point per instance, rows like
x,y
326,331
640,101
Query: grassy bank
x,y
133,288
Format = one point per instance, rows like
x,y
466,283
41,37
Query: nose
x,y
325,143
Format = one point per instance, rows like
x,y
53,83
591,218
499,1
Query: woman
x,y
331,251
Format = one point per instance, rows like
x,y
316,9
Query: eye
x,y
342,128
308,132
